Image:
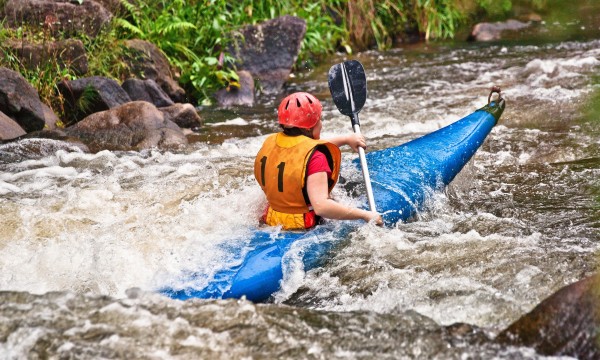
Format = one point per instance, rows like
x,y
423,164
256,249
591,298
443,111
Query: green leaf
x,y
211,61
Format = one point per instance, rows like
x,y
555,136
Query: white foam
x,y
49,172
232,122
108,222
464,296
6,188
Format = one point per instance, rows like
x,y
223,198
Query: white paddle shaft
x,y
365,171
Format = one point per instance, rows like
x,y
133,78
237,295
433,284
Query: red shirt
x,y
318,163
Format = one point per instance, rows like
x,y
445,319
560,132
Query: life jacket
x,y
280,169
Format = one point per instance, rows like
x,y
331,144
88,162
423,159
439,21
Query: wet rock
x,y
68,53
50,118
269,50
90,95
20,101
459,333
39,144
59,17
184,115
115,7
133,126
146,90
493,31
243,96
57,135
9,129
567,323
148,62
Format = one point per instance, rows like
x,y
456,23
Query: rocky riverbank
x,y
149,108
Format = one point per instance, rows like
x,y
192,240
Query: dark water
x,y
86,238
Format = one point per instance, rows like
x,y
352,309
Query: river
x,y
87,239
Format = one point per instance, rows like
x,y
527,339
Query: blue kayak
x,y
401,176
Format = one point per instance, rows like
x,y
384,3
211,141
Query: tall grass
x,y
105,58
371,23
45,77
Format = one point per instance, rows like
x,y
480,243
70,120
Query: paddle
x,y
348,86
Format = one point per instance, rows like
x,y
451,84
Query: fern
x,y
187,52
124,24
177,26
131,8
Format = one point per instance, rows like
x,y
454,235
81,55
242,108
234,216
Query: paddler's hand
x,y
355,141
372,216
376,218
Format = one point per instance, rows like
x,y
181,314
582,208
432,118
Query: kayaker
x,y
297,170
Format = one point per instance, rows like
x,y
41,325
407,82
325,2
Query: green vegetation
x,y
45,78
107,61
195,35
591,122
591,109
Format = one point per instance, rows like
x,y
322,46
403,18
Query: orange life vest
x,y
280,169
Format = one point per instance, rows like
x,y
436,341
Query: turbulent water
x,y
87,239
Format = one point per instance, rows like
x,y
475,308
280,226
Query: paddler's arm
x,y
323,206
353,140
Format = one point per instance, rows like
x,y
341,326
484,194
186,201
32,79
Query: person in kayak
x,y
297,170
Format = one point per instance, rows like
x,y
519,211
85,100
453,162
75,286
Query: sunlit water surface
x,y
86,239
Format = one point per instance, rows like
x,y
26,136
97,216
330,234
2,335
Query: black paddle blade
x,y
348,86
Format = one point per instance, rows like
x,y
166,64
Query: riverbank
x,y
196,38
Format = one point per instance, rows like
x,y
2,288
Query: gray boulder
x,y
9,129
269,50
133,126
60,17
148,62
146,90
565,324
90,95
38,144
493,31
184,115
115,7
20,101
50,118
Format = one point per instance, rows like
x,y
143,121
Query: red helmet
x,y
300,110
